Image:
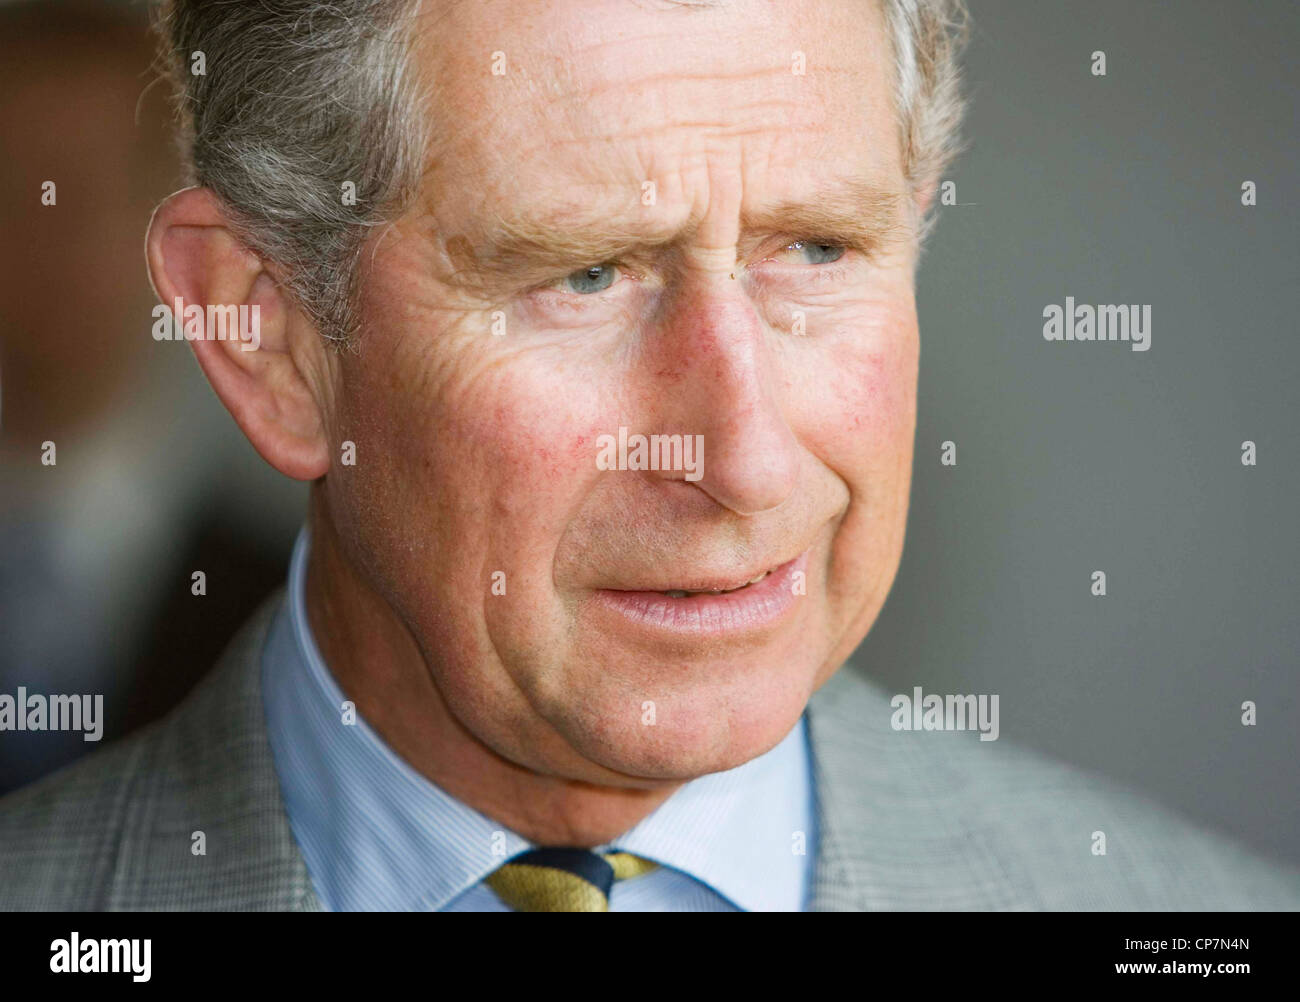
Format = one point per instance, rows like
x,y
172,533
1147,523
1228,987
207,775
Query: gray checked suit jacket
x,y
919,821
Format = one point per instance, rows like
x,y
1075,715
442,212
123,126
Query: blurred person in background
x,y
97,548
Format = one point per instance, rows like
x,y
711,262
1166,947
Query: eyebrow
x,y
852,211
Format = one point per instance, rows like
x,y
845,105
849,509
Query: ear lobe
x,y
194,255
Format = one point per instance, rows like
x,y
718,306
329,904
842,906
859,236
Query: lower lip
x,y
738,612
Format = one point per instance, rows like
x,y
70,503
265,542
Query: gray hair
x,y
300,97
927,37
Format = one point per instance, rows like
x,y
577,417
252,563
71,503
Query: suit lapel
x,y
893,831
207,779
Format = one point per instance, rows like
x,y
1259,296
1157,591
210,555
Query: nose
x,y
711,371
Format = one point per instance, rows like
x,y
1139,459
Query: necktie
x,y
564,880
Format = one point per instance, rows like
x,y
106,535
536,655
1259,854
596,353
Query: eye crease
x,y
600,277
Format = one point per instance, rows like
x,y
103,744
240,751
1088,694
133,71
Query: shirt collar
x,y
377,835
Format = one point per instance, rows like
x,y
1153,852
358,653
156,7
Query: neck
x,y
379,666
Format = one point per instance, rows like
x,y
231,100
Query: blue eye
x,y
597,278
818,253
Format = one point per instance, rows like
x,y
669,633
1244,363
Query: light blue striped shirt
x,y
378,836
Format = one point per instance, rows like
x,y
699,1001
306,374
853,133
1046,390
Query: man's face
x,y
651,220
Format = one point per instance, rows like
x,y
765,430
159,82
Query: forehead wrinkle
x,y
714,129
598,86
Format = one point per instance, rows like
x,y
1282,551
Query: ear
x,y
193,255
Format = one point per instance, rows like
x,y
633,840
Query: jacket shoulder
x,y
61,837
942,820
116,830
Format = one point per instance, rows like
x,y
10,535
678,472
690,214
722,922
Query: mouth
x,y
692,592
713,606
713,584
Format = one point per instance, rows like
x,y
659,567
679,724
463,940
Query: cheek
x,y
863,431
534,438
858,395
490,453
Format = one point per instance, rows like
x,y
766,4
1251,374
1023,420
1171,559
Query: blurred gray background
x,y
1076,457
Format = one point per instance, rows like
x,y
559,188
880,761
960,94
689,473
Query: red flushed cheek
x,y
874,387
861,386
537,441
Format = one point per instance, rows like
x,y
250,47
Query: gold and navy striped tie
x,y
564,880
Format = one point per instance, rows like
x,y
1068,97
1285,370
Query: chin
x,y
706,717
